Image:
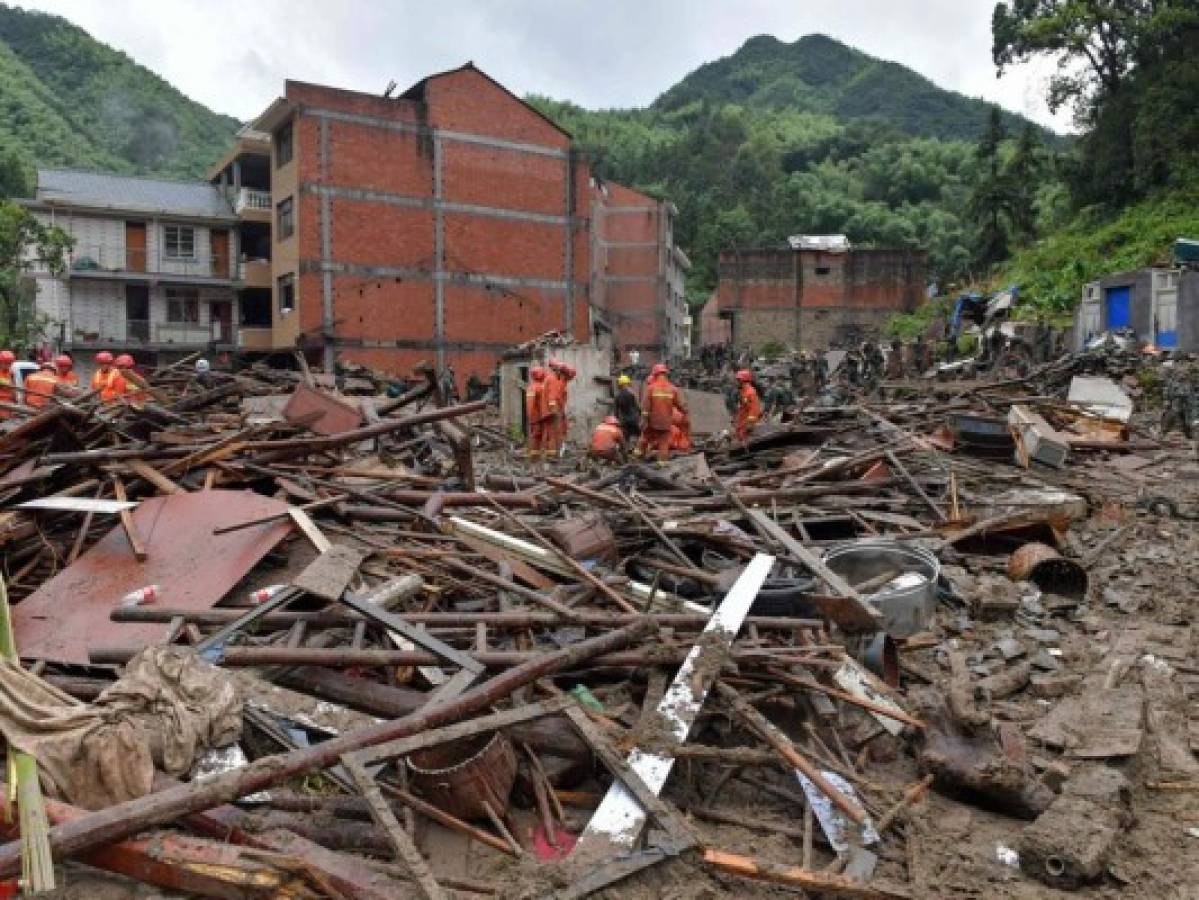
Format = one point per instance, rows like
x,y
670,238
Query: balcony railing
x,y
142,332
105,259
249,198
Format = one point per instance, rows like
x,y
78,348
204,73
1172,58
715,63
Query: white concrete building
x,y
152,271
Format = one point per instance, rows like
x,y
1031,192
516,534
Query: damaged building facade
x,y
638,275
809,298
1160,304
441,225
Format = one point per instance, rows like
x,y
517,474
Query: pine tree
x,y
990,196
1022,174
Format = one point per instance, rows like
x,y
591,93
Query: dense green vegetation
x,y
69,100
811,137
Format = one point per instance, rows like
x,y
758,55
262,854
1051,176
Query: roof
x,y
101,190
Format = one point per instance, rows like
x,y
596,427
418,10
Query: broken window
x,y
286,286
285,216
183,306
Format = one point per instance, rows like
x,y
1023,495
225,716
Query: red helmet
x,y
537,373
556,364
745,375
611,420
104,358
571,371
7,357
659,369
124,361
63,362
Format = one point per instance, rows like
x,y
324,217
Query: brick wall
x,y
810,299
444,225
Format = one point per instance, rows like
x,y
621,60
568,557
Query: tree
x,y
15,178
989,200
25,244
1023,176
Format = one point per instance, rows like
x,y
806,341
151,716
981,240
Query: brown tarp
x,y
167,707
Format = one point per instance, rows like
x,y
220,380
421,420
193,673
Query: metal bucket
x,y
462,775
1048,570
909,600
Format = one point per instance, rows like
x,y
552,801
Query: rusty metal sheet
x,y
193,568
323,413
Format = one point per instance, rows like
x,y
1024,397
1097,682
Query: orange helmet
x,y
104,358
745,375
124,361
611,420
7,357
659,369
571,371
63,362
537,373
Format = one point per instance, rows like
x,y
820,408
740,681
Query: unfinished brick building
x,y
813,299
638,272
444,224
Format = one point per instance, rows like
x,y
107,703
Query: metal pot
x,y
908,600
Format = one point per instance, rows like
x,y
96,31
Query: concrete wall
x,y
588,400
1090,319
810,298
442,226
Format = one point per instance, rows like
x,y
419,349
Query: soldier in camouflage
x,y
1181,402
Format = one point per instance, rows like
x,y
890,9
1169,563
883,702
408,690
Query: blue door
x,y
1119,307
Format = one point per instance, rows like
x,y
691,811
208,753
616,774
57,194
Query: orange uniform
x,y
749,411
657,413
39,388
8,391
110,384
68,377
680,432
607,441
538,416
555,397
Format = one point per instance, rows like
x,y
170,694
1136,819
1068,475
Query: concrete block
x,y
1069,844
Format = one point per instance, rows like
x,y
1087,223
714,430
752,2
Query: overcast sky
x,y
232,55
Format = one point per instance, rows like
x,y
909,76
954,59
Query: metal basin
x,y
908,599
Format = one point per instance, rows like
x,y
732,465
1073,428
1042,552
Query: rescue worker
x,y
40,386
8,389
627,409
203,374
607,441
135,386
537,413
1178,410
749,407
66,371
107,380
567,375
680,432
555,390
657,413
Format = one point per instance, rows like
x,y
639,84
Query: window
x,y
823,270
178,242
284,148
183,306
287,293
285,218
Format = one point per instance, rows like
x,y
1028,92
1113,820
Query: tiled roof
x,y
101,190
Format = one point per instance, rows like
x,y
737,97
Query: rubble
x,y
852,654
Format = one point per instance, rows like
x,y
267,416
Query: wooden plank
x,y
619,820
308,527
820,883
330,574
79,504
143,469
400,839
135,538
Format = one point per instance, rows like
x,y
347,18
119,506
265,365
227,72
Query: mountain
x,y
68,100
817,74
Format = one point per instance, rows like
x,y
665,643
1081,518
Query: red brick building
x,y
811,299
638,272
444,224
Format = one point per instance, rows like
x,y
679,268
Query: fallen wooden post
x,y
821,883
123,819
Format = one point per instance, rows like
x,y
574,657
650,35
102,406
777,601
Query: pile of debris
x,y
279,639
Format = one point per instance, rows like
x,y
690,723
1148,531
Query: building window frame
x,y
183,305
285,217
179,241
285,145
285,293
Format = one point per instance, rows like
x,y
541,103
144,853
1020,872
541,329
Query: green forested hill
x,y
67,99
817,74
808,137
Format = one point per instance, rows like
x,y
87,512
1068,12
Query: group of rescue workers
x,y
657,424
115,380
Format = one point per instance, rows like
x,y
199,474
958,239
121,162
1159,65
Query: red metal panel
x,y
335,416
193,567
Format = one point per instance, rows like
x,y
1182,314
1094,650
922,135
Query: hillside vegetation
x,y
68,100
